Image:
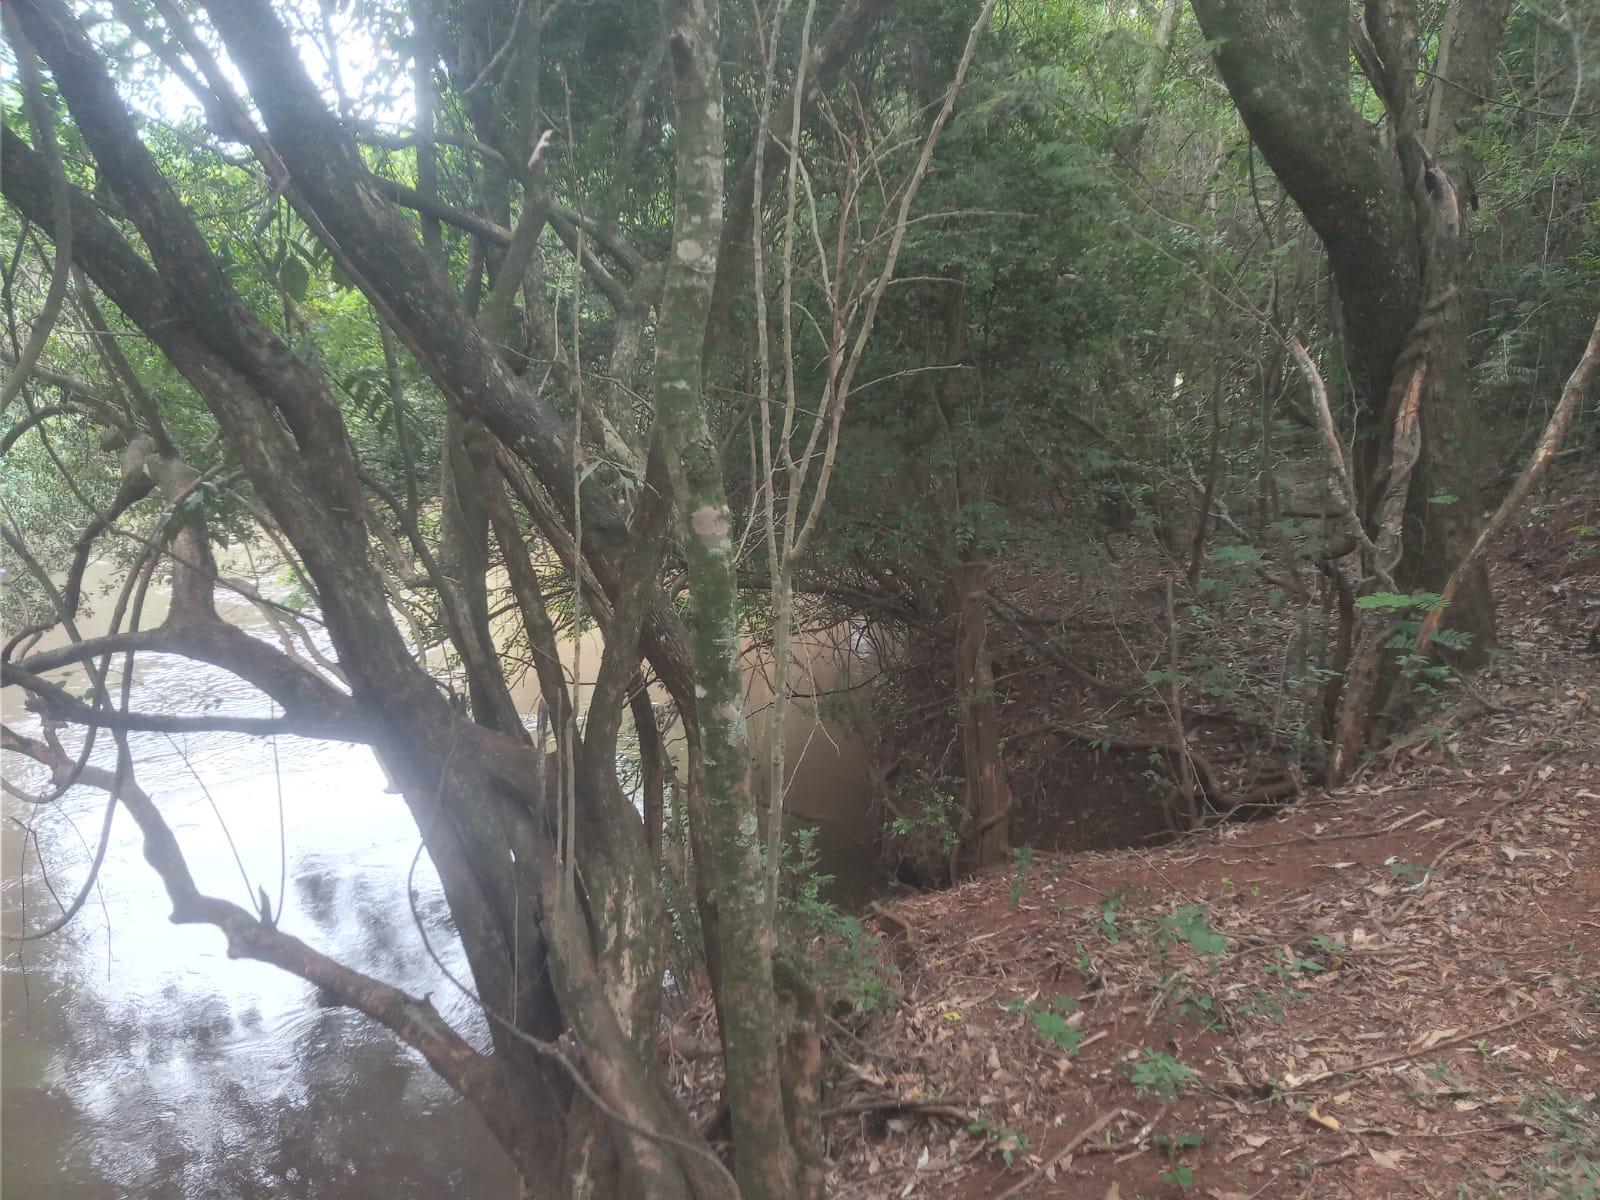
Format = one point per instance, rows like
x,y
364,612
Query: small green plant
x,y
1084,960
847,961
1106,917
1588,545
1265,1004
1408,873
1021,864
1189,924
1421,674
1054,1027
1568,1165
1286,964
1053,1021
1401,602
936,813
1201,1006
1009,1142
1179,1175
1174,1144
1156,1073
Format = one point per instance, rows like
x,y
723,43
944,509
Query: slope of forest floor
x,y
1388,990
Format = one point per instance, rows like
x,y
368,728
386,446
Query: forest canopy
x,y
488,324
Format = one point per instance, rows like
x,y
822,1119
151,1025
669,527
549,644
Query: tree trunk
x,y
988,792
1151,79
1460,448
764,1158
1390,224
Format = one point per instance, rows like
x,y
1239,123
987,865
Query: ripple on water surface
x,y
140,1061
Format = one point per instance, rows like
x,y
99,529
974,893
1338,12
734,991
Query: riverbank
x,y
1389,990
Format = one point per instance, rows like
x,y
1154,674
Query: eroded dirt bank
x,y
1388,990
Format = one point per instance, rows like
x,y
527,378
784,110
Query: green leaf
x,y
1398,602
295,277
1190,924
1054,1027
1248,555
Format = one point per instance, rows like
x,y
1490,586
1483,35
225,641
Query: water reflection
x,y
139,1061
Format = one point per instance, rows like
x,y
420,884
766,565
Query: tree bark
x,y
1460,452
988,792
763,1155
1390,222
1151,79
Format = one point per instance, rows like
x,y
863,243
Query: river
x,y
139,1061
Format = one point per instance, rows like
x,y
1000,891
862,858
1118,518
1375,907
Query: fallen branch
x,y
1447,1044
883,913
902,1104
1077,1140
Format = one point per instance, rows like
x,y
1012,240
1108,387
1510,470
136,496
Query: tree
x,y
1390,217
543,455
692,325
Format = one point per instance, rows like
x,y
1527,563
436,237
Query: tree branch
x,y
412,1019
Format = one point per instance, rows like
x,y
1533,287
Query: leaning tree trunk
x,y
1389,221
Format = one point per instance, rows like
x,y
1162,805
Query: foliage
x,y
1008,1141
1080,366
1568,1166
1021,865
849,963
1157,1073
1054,1021
1189,924
936,814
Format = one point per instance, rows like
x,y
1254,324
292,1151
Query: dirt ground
x,y
1385,990
1388,991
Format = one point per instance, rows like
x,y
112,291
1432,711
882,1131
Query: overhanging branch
x,y
412,1019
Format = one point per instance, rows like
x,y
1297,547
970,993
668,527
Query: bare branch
x,y
1549,441
44,137
414,1020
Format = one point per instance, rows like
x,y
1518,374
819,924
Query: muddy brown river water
x,y
139,1061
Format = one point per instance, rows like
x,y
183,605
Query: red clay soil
x,y
1389,990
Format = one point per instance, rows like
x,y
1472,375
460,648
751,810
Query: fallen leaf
x,y
1329,1123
